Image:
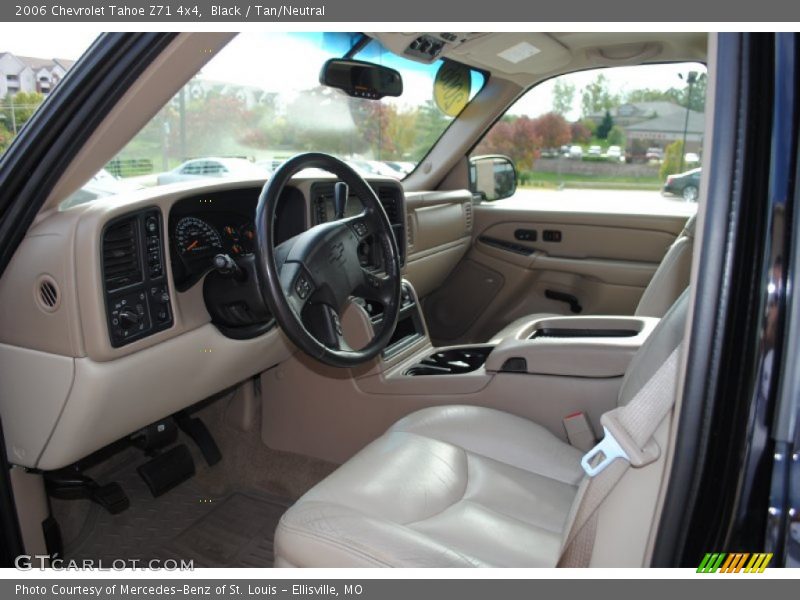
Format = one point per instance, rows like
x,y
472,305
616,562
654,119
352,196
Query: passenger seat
x,y
667,284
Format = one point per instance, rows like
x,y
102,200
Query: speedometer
x,y
195,238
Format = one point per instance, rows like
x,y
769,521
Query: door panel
x,y
518,255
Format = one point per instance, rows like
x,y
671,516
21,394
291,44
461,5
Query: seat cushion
x,y
449,486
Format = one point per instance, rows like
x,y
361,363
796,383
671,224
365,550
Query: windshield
x,y
259,102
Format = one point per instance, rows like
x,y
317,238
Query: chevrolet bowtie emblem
x,y
335,253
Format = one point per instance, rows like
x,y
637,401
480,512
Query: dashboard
x,y
202,226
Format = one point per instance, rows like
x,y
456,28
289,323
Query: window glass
x,y
613,136
259,102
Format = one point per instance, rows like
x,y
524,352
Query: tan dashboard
x,y
70,387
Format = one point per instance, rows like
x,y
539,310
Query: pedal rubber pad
x,y
167,470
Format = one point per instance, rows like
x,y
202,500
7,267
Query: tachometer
x,y
195,238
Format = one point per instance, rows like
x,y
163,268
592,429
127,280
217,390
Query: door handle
x,y
574,304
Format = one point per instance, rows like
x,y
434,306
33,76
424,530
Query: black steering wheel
x,y
308,280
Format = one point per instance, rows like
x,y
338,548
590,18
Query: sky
x,y
22,41
539,100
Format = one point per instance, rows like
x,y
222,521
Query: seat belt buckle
x,y
603,454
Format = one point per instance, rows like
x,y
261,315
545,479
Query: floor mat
x,y
236,529
238,533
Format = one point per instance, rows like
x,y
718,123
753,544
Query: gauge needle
x,y
193,245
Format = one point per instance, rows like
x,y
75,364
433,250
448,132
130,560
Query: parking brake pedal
x,y
200,435
70,484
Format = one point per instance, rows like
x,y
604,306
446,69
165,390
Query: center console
x,y
588,346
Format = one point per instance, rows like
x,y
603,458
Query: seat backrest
x,y
658,346
671,276
611,516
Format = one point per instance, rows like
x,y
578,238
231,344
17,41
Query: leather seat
x,y
669,280
459,486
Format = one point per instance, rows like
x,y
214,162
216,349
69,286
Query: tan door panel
x,y
604,260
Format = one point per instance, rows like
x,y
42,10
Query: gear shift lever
x,y
340,193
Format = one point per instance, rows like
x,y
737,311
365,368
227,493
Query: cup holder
x,y
451,362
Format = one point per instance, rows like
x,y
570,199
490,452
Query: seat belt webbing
x,y
627,442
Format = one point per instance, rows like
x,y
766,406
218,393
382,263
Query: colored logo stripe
x,y
735,562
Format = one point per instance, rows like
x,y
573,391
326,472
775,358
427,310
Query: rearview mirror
x,y
361,79
492,177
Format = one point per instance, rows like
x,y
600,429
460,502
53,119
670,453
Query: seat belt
x,y
627,442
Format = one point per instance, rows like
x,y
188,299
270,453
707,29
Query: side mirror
x,y
361,79
492,177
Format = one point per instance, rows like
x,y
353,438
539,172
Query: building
x,y
657,124
28,74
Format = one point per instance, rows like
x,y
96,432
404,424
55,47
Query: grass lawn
x,y
536,179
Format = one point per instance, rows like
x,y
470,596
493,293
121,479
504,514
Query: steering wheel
x,y
308,280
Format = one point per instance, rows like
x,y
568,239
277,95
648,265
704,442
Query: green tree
x,y
672,159
17,109
563,97
605,126
698,100
430,124
5,139
597,97
616,137
675,95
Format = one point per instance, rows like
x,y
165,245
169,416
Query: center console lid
x,y
591,346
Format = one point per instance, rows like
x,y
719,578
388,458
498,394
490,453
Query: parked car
x,y
691,157
686,185
403,167
614,153
655,154
596,151
575,152
102,184
270,164
204,168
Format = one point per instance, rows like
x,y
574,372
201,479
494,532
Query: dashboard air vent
x,y
48,294
121,264
410,232
388,198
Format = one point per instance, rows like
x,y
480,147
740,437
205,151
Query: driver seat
x,y
467,486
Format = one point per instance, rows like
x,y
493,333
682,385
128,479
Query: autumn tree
x,y
580,133
552,130
516,138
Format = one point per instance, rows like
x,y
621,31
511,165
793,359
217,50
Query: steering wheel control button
x,y
302,287
360,229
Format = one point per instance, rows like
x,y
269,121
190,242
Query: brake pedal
x,y
200,435
111,497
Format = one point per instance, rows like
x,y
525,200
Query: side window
x,y
191,169
623,134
